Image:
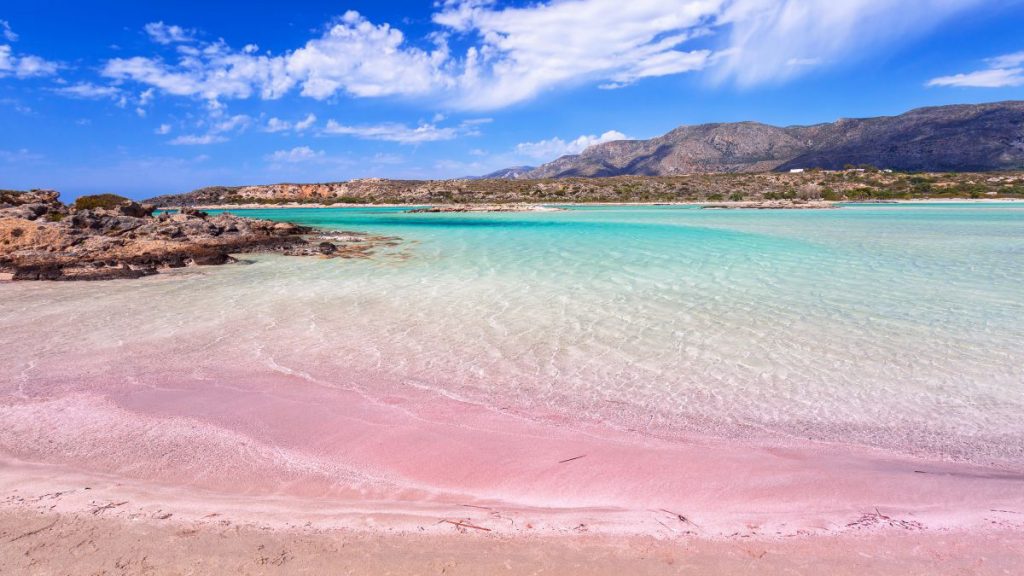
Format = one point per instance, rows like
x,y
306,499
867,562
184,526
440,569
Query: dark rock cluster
x,y
42,239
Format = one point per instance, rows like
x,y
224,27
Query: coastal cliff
x,y
108,237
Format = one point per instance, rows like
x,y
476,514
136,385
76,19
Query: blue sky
x,y
144,98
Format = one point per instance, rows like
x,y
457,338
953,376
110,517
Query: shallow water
x,y
892,326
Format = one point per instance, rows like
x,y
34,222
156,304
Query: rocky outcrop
x,y
965,138
31,205
41,239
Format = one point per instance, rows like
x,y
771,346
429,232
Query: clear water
x,y
894,326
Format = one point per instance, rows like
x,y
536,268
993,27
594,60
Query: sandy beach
x,y
689,409
423,474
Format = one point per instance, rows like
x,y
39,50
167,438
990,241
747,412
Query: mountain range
x,y
962,138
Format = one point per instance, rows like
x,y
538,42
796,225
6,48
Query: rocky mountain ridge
x,y
961,138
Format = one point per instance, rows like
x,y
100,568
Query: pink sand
x,y
266,443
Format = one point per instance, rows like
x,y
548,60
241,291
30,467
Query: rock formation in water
x,y
43,239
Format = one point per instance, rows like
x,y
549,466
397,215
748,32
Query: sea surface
x,y
899,327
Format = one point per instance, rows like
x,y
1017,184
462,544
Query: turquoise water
x,y
885,325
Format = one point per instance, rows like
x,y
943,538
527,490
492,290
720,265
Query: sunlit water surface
x,y
900,327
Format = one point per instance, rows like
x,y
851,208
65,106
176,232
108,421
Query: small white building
x,y
796,170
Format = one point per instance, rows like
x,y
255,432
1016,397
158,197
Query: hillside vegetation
x,y
855,184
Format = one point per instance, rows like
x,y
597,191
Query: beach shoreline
x,y
858,511
433,458
294,205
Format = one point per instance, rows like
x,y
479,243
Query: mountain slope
x,y
508,173
979,137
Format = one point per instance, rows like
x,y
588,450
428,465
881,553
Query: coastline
x,y
576,204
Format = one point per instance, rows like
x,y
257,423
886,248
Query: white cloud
x,y
771,41
360,58
215,73
21,66
230,124
393,132
556,147
198,139
518,54
27,66
1004,71
995,78
88,90
525,51
275,124
163,129
8,34
216,130
513,54
295,155
1007,60
166,34
306,123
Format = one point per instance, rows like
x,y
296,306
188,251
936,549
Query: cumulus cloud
x,y
216,131
163,129
21,65
511,54
1003,71
24,66
166,34
306,123
295,155
360,58
276,124
556,147
215,72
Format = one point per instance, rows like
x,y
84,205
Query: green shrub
x,y
831,195
100,201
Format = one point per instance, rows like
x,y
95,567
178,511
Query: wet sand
x,y
177,479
